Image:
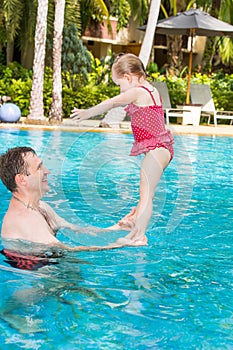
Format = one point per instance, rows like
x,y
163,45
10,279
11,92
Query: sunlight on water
x,y
176,293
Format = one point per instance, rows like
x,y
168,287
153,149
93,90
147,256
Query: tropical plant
x,y
101,69
121,10
174,42
76,59
139,10
18,22
16,81
92,9
15,23
226,44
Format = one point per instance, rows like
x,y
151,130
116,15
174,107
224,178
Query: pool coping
x,y
93,126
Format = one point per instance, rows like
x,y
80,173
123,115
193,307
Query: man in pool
x,y
28,218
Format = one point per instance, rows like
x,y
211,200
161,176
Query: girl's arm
x,y
122,99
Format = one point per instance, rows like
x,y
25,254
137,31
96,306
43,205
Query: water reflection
x,y
28,293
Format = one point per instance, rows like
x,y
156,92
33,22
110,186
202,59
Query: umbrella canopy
x,y
193,22
201,22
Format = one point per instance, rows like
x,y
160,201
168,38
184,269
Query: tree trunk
x,y
36,102
150,32
9,51
56,107
174,52
174,43
210,42
27,52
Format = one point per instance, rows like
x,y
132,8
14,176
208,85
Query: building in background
x,y
99,41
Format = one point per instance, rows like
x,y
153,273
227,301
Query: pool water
x,y
175,293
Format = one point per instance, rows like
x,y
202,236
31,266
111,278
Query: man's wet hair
x,y
12,163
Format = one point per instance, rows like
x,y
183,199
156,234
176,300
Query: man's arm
x,y
94,248
62,223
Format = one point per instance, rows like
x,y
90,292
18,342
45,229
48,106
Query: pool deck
x,y
93,125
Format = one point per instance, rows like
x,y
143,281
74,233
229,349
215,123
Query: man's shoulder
x,y
18,223
11,224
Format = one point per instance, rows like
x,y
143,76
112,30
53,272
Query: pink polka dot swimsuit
x,y
149,128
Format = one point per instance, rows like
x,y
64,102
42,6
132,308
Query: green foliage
x,y
47,92
19,92
14,71
221,88
121,10
72,14
86,10
16,81
12,12
139,10
177,87
92,9
152,68
86,96
76,59
226,50
101,69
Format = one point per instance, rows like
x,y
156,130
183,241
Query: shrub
x,y
16,81
221,88
76,59
86,96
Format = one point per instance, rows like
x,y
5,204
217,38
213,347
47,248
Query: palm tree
x,y
36,102
36,110
210,42
226,44
90,9
17,22
150,32
174,42
56,107
139,10
11,13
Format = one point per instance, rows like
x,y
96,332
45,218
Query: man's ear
x,y
20,179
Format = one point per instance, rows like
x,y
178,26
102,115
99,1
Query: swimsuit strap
x,y
149,93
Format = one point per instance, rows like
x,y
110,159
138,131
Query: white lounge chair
x,y
201,93
162,88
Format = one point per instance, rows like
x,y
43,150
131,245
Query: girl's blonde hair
x,y
129,64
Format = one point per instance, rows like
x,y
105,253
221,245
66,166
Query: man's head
x,y
20,166
12,163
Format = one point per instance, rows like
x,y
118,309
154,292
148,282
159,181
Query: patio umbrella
x,y
191,23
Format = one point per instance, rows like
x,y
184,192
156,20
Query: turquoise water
x,y
176,293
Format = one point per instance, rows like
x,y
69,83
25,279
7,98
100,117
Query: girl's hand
x,y
78,114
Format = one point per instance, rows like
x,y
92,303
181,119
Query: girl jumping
x,y
143,105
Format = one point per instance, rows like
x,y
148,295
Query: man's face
x,y
36,174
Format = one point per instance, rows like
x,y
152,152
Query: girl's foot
x,y
140,241
136,242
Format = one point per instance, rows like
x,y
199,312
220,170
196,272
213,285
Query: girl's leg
x,y
152,168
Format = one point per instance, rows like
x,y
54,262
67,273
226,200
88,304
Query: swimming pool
x,y
176,293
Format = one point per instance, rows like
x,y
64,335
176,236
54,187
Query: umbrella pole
x,y
190,68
